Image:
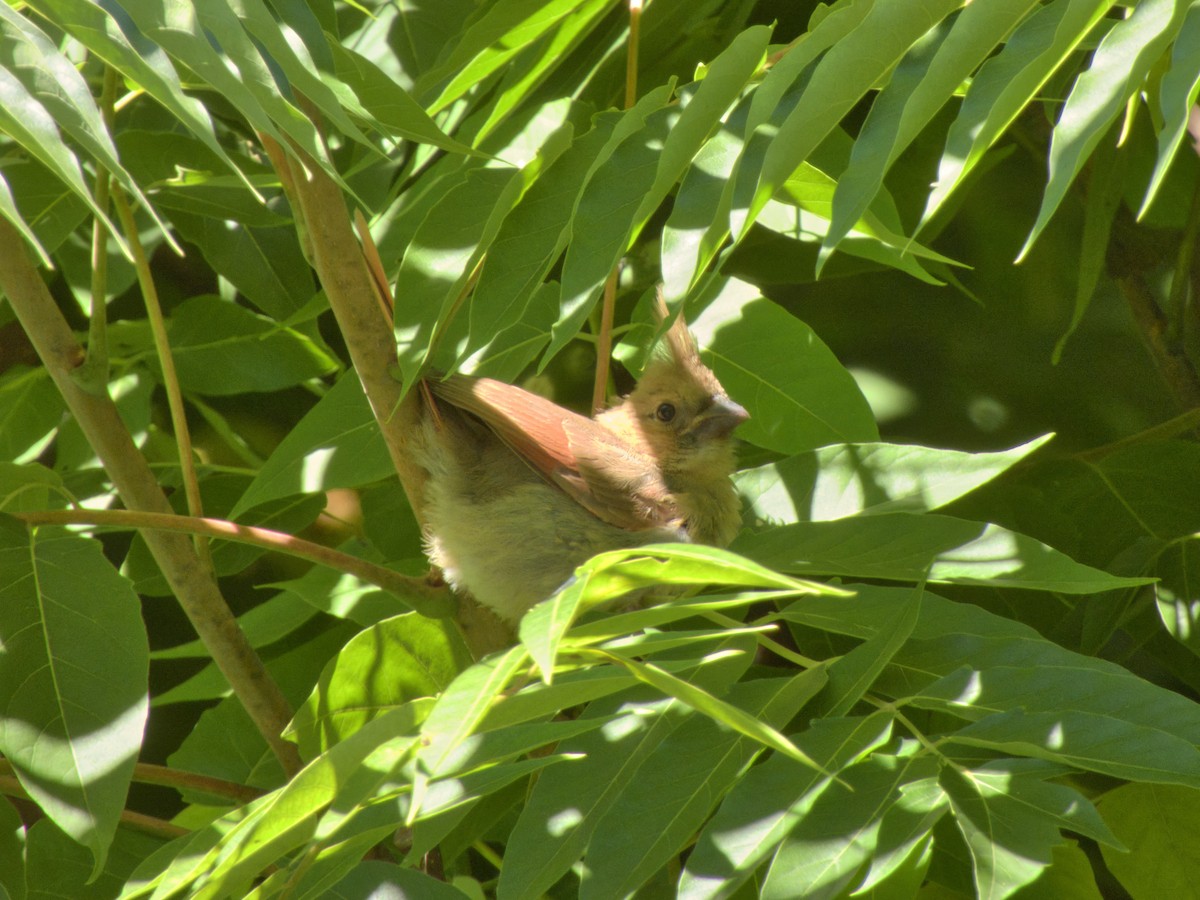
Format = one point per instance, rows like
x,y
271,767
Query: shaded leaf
x,y
1118,68
852,479
905,547
773,798
797,393
73,671
398,660
1149,818
336,444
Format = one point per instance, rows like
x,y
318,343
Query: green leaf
x,y
263,624
30,408
496,35
532,237
48,75
770,801
1119,66
1090,741
843,76
392,107
210,41
822,854
918,89
698,223
295,660
716,709
797,393
12,853
374,878
856,479
264,264
264,34
1012,667
56,866
1004,86
400,659
73,675
457,714
217,494
619,573
1010,828
436,262
145,66
1070,877
905,831
1105,186
336,444
613,188
255,835
1148,818
851,676
546,54
1175,596
568,802
801,212
905,547
346,596
24,119
1141,495
626,189
1176,96
507,355
221,348
8,209
673,792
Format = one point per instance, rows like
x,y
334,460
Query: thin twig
x,y
10,787
1169,356
426,599
608,301
166,360
343,272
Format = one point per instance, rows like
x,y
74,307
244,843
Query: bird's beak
x,y
720,419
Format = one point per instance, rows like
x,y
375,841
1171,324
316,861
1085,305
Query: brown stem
x,y
10,787
166,361
424,598
609,299
1168,355
148,773
134,481
343,272
604,340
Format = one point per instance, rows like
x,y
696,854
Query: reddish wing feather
x,y
594,466
531,425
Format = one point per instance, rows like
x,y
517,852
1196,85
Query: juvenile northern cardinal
x,y
521,490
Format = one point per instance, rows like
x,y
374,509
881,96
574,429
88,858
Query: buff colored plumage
x,y
521,490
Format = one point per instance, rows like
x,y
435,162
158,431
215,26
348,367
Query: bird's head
x,y
681,410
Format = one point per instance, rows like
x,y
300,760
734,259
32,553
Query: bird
x,y
521,491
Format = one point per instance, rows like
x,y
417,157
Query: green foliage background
x,y
947,656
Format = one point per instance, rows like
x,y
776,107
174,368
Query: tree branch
x,y
134,481
343,273
426,599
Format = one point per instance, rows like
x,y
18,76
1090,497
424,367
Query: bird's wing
x,y
609,476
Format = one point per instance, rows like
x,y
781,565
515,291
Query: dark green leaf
x,y
73,694
853,479
905,547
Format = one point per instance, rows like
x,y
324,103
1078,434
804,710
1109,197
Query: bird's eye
x,y
665,412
